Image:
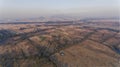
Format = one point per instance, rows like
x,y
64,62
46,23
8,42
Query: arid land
x,y
81,43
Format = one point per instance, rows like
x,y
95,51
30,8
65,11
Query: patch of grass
x,y
1,36
42,38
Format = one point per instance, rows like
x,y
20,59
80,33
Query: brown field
x,y
95,43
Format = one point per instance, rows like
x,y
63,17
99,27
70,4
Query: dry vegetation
x,y
69,44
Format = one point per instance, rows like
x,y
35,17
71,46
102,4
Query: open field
x,y
90,43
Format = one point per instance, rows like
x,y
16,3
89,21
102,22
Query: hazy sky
x,y
30,8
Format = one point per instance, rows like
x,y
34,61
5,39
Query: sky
x,y
32,8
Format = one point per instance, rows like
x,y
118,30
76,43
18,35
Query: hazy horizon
x,y
83,8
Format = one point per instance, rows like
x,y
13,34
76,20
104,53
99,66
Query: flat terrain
x,y
83,43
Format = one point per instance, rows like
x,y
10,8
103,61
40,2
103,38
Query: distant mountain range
x,y
52,18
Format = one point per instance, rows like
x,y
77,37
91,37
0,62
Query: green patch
x,y
1,36
42,38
